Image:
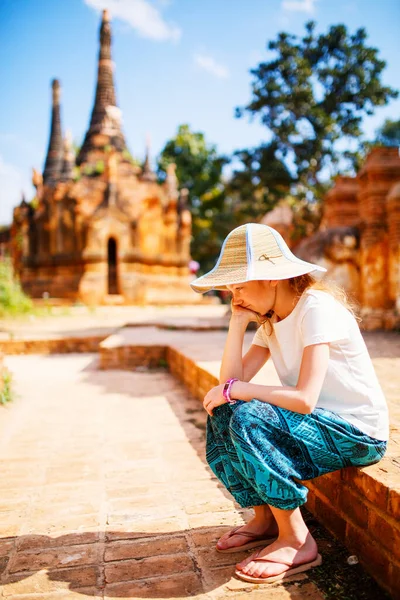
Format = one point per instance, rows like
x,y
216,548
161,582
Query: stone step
x,y
361,507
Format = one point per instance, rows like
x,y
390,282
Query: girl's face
x,y
257,296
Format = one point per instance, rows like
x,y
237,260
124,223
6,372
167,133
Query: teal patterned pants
x,y
262,452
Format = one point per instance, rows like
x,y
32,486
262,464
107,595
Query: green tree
x,y
313,94
199,169
389,133
13,301
260,182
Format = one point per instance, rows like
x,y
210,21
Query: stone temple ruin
x,y
359,238
101,229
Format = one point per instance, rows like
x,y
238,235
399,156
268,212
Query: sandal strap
x,y
279,561
248,534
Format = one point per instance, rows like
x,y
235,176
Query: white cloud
x,y
307,6
208,63
13,181
142,16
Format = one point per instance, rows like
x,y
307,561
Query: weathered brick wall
x,y
361,507
341,204
51,346
131,357
363,512
378,175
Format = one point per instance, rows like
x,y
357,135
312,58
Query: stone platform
x,y
106,494
361,506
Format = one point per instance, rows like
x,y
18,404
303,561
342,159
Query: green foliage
x,y
198,166
99,167
13,301
199,169
76,173
87,170
6,386
389,133
313,93
128,156
261,182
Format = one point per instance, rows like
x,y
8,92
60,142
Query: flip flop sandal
x,y
300,568
256,540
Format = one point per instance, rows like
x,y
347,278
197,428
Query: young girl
x,y
329,413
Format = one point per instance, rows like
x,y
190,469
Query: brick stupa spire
x,y
54,157
147,172
105,123
68,158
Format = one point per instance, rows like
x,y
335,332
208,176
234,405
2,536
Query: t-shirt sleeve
x,y
324,322
260,339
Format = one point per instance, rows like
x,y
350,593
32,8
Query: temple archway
x,y
112,260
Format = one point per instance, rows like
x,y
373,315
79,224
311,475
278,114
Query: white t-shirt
x,y
351,388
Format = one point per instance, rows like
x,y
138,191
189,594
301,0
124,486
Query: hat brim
x,y
214,280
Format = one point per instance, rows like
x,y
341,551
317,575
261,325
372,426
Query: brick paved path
x,y
105,491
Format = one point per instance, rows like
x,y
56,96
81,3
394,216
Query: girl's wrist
x,y
236,390
242,320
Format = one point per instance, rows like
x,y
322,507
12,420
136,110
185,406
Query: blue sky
x,y
177,61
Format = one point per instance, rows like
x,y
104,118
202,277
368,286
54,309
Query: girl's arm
x,y
233,363
302,398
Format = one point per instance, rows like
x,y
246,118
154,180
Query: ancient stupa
x,y
101,229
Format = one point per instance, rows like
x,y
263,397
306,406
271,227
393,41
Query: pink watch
x,y
226,392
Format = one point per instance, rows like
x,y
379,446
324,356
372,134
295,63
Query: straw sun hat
x,y
253,252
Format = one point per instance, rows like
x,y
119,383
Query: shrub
x,y
13,301
5,386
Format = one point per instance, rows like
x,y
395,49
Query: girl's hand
x,y
243,314
214,398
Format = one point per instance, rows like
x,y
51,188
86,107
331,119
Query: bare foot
x,y
253,526
291,552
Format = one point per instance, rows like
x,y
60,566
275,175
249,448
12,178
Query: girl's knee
x,y
249,414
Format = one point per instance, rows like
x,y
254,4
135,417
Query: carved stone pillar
x,y
381,170
341,204
393,215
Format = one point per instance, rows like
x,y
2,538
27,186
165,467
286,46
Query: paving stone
x,y
129,496
154,566
179,586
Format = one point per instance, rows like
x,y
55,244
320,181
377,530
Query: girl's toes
x,y
243,563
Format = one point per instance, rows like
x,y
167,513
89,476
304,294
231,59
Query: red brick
x,y
135,529
31,542
208,537
145,548
394,503
182,585
385,531
156,566
55,558
209,557
369,483
6,547
393,585
78,577
329,485
330,517
371,555
48,581
352,506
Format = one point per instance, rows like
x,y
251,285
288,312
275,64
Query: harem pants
x,y
260,452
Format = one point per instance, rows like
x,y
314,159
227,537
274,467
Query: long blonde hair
x,y
304,282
